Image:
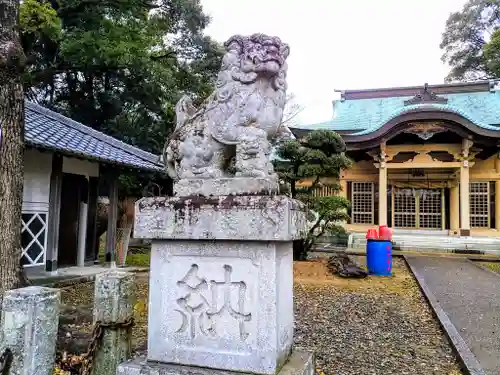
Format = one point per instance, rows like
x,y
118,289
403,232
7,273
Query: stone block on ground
x,y
299,363
114,299
29,323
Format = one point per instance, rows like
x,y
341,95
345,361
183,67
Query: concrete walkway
x,y
469,299
71,275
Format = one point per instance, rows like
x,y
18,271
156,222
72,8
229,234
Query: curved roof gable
x,y
363,114
477,120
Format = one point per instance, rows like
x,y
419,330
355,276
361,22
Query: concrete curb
x,y
402,253
84,279
466,357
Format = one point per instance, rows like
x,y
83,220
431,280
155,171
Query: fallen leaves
x,y
366,326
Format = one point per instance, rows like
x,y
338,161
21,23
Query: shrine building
x,y
425,158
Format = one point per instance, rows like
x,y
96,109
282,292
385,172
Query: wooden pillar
x,y
56,177
382,194
497,205
497,195
464,200
343,188
83,222
91,248
112,217
454,209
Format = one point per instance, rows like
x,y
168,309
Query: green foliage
x,y
319,157
138,259
119,66
492,54
465,38
37,18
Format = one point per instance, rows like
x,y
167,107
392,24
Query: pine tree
x,y
306,167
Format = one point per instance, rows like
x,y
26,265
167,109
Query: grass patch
x,y
494,266
138,259
136,256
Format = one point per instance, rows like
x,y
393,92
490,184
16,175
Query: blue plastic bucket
x,y
379,257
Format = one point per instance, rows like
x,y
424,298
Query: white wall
x,y
82,167
36,190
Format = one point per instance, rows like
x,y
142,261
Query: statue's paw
x,y
259,174
255,173
214,173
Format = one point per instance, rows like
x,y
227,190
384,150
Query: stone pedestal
x,y
221,284
299,363
29,329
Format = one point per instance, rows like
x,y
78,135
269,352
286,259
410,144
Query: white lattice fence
x,y
33,238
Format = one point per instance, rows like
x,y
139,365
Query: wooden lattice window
x,y
479,202
325,191
404,208
362,202
430,202
33,238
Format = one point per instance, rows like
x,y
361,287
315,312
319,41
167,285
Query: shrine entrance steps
x,y
432,241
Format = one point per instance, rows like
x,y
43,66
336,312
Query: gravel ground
x,y
371,326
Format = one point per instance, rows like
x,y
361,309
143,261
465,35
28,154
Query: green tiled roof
x,y
364,116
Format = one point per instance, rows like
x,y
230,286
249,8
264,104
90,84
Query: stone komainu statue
x,y
232,132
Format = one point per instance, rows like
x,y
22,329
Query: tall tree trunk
x,y
12,61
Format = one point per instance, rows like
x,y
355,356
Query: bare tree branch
x,y
292,110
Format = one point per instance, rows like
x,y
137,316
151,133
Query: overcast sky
x,y
341,44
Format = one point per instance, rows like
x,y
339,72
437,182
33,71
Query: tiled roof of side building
x,y
47,129
362,116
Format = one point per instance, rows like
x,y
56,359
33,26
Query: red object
x,y
385,233
371,234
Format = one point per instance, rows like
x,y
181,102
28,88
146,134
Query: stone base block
x,y
228,217
221,305
225,186
299,363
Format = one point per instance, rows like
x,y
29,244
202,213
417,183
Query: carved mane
x,y
236,76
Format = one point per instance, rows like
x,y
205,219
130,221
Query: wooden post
x,y
82,221
91,248
464,200
112,218
497,195
343,188
497,205
454,209
382,194
56,177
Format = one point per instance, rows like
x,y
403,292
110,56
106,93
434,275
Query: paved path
x,y
470,297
